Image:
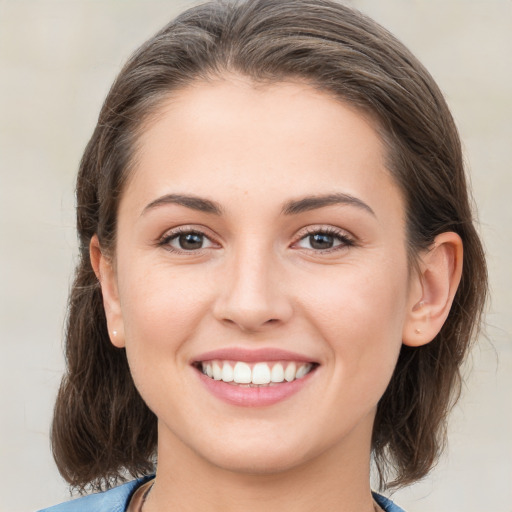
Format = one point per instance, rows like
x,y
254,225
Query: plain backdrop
x,y
57,61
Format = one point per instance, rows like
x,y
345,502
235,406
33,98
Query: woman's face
x,y
260,237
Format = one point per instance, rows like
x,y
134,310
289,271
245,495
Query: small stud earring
x,y
417,331
114,333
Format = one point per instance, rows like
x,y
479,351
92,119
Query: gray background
x,y
57,60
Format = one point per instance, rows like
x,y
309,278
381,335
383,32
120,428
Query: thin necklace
x,y
144,496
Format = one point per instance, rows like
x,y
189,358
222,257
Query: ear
x,y
106,275
432,289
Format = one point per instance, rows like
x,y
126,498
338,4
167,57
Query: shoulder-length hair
x,y
102,429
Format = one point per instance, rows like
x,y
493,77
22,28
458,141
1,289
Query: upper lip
x,y
252,355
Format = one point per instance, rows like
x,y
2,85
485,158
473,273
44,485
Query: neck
x,y
337,479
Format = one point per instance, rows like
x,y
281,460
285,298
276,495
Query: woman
x,y
279,273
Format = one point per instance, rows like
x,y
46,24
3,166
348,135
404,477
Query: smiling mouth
x,y
259,374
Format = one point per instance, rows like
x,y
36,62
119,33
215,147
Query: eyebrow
x,y
292,207
193,202
313,202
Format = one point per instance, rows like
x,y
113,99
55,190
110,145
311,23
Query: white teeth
x,y
277,374
227,373
303,371
289,373
217,372
261,373
242,373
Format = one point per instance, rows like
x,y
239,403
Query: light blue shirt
x,y
118,499
113,500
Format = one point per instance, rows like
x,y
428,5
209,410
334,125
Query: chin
x,y
260,463
263,455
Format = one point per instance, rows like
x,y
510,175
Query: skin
x,y
257,283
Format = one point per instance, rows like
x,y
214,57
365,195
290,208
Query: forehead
x,y
230,135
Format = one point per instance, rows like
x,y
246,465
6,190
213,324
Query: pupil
x,y
191,241
321,241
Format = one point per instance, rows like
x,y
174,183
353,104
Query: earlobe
x,y
105,273
433,289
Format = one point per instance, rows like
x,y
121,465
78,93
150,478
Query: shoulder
x,y
386,504
113,500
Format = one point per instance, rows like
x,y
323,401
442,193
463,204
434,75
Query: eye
x,y
186,240
324,240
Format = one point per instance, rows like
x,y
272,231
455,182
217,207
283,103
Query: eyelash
x,y
175,233
342,236
346,241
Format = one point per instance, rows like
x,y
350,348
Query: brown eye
x,y
190,241
325,241
187,241
321,241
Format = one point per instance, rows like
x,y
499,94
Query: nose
x,y
253,296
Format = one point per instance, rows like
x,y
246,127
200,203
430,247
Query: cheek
x,y
357,297
161,308
162,311
361,314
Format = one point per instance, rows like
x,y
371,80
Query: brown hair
x,y
102,429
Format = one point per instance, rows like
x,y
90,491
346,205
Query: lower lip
x,y
253,396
